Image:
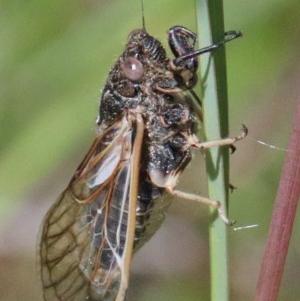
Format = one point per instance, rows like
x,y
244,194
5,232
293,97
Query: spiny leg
x,y
202,200
225,141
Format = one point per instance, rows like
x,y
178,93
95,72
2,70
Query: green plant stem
x,y
214,90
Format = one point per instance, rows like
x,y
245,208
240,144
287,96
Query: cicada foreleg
x,y
171,181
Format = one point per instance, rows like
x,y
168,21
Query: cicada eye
x,y
133,69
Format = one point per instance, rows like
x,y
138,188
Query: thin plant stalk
x,y
210,23
282,219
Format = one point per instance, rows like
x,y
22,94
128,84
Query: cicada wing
x,y
84,236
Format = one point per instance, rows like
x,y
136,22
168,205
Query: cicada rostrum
x,y
146,131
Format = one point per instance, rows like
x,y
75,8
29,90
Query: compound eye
x,y
133,69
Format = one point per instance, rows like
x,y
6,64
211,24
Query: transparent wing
x,y
84,233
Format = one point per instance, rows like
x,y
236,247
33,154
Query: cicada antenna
x,y
143,15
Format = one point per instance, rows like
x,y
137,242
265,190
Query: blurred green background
x,y
54,58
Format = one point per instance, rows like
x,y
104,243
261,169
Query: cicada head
x,y
141,70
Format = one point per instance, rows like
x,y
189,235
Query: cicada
x,y
146,131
